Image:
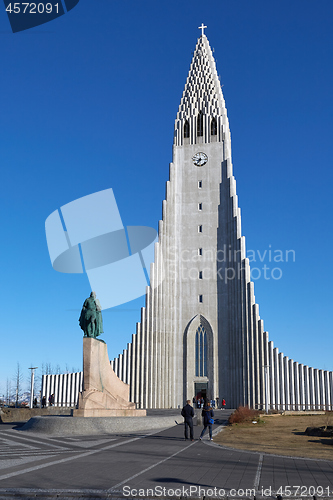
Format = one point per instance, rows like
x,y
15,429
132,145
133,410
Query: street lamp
x,y
32,385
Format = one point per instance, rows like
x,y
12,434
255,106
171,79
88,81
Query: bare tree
x,y
48,369
18,379
8,391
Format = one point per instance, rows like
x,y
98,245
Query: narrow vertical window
x,y
199,184
200,124
199,251
200,206
201,352
200,298
197,354
213,127
200,275
199,229
186,129
205,355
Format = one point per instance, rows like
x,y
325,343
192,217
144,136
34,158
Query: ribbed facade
x,y
65,387
205,286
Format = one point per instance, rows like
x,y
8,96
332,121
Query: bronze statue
x,y
90,320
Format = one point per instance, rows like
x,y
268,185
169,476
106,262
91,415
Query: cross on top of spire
x,y
202,27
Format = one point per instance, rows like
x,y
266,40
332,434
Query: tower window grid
x,y
186,129
200,124
213,127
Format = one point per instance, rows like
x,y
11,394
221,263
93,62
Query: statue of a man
x,y
90,319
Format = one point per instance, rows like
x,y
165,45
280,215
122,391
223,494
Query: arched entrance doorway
x,y
198,360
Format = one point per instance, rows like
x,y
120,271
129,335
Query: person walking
x,y
208,420
188,414
223,404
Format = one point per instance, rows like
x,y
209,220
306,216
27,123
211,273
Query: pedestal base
x,y
104,394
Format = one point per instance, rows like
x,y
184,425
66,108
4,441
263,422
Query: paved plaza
x,y
151,465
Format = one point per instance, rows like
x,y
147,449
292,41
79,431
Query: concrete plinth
x,y
67,426
104,394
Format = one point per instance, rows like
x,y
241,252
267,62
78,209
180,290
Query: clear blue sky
x,y
88,102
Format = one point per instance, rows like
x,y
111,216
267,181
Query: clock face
x,y
200,159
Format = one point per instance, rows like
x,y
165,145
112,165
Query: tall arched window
x,y
186,129
213,127
200,124
201,352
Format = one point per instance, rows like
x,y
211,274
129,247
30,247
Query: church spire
x,y
202,115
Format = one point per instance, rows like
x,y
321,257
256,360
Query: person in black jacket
x,y
188,414
207,414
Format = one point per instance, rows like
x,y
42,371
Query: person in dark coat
x,y
207,414
188,414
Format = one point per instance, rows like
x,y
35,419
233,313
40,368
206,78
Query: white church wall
x,y
65,387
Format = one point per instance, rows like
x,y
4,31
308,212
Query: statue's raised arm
x,y
90,320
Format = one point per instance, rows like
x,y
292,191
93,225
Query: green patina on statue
x,y
90,320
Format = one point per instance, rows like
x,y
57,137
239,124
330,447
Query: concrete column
x,y
261,362
312,389
322,398
78,383
120,367
124,372
282,382
52,380
73,394
129,365
133,370
327,390
271,363
331,388
138,364
286,382
307,388
277,379
296,386
251,346
266,362
301,386
291,384
316,388
68,389
56,391
60,389
135,367
64,389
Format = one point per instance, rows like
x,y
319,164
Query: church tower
x,y
200,332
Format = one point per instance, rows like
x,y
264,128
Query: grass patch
x,y
282,435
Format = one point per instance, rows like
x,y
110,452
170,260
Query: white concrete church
x,y
200,331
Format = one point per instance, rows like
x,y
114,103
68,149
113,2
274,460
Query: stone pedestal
x,y
104,394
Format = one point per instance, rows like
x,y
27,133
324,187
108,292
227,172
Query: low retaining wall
x,y
8,415
63,425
